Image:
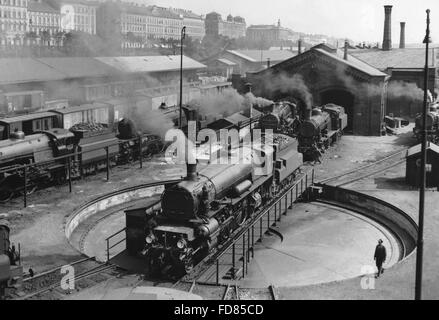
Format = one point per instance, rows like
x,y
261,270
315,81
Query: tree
x,y
45,37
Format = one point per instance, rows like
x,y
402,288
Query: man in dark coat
x,y
380,257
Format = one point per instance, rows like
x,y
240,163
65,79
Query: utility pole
x,y
183,34
420,244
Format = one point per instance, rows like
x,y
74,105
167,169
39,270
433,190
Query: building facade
x,y
269,33
194,23
13,21
76,15
43,21
233,27
358,87
163,23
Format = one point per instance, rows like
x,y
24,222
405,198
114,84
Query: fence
x,y
65,163
241,246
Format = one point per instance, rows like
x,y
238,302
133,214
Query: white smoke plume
x,y
225,103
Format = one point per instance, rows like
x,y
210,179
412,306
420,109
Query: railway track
x,y
47,285
366,171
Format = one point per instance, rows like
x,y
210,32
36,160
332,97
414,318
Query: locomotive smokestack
x,y
346,45
387,39
402,37
299,44
191,159
191,171
268,63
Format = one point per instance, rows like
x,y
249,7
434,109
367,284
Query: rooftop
x,y
135,64
263,55
40,7
22,70
336,54
417,149
226,62
413,58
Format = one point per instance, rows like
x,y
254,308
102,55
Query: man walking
x,y
380,257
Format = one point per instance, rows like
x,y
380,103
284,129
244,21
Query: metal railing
x,y
65,163
241,246
109,245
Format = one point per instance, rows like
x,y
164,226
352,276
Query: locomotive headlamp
x,y
181,244
150,239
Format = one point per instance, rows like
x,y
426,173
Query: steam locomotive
x,y
9,257
86,143
324,127
432,128
320,128
202,212
281,117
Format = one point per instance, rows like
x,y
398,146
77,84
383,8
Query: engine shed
x,y
413,166
324,75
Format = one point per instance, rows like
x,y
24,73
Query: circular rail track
x,y
366,171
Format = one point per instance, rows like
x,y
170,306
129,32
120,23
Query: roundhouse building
x,y
324,75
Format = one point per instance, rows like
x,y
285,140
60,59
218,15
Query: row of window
x,y
17,14
169,22
134,19
81,9
12,27
16,3
38,20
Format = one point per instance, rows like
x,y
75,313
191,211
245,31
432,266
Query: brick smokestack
x,y
387,39
402,38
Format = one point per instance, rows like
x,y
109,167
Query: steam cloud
x,y
227,102
289,85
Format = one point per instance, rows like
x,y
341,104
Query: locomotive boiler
x,y
204,210
324,127
432,128
279,117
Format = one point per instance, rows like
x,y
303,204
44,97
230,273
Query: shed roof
x,y
263,55
79,67
353,62
396,58
337,55
226,62
82,107
26,117
148,64
415,150
19,70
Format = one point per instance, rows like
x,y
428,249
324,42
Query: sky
x,y
359,20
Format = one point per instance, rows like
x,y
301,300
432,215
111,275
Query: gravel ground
x,y
39,228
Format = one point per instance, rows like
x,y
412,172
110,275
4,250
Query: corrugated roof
x,y
255,55
78,67
83,107
150,63
417,149
396,58
26,117
19,70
